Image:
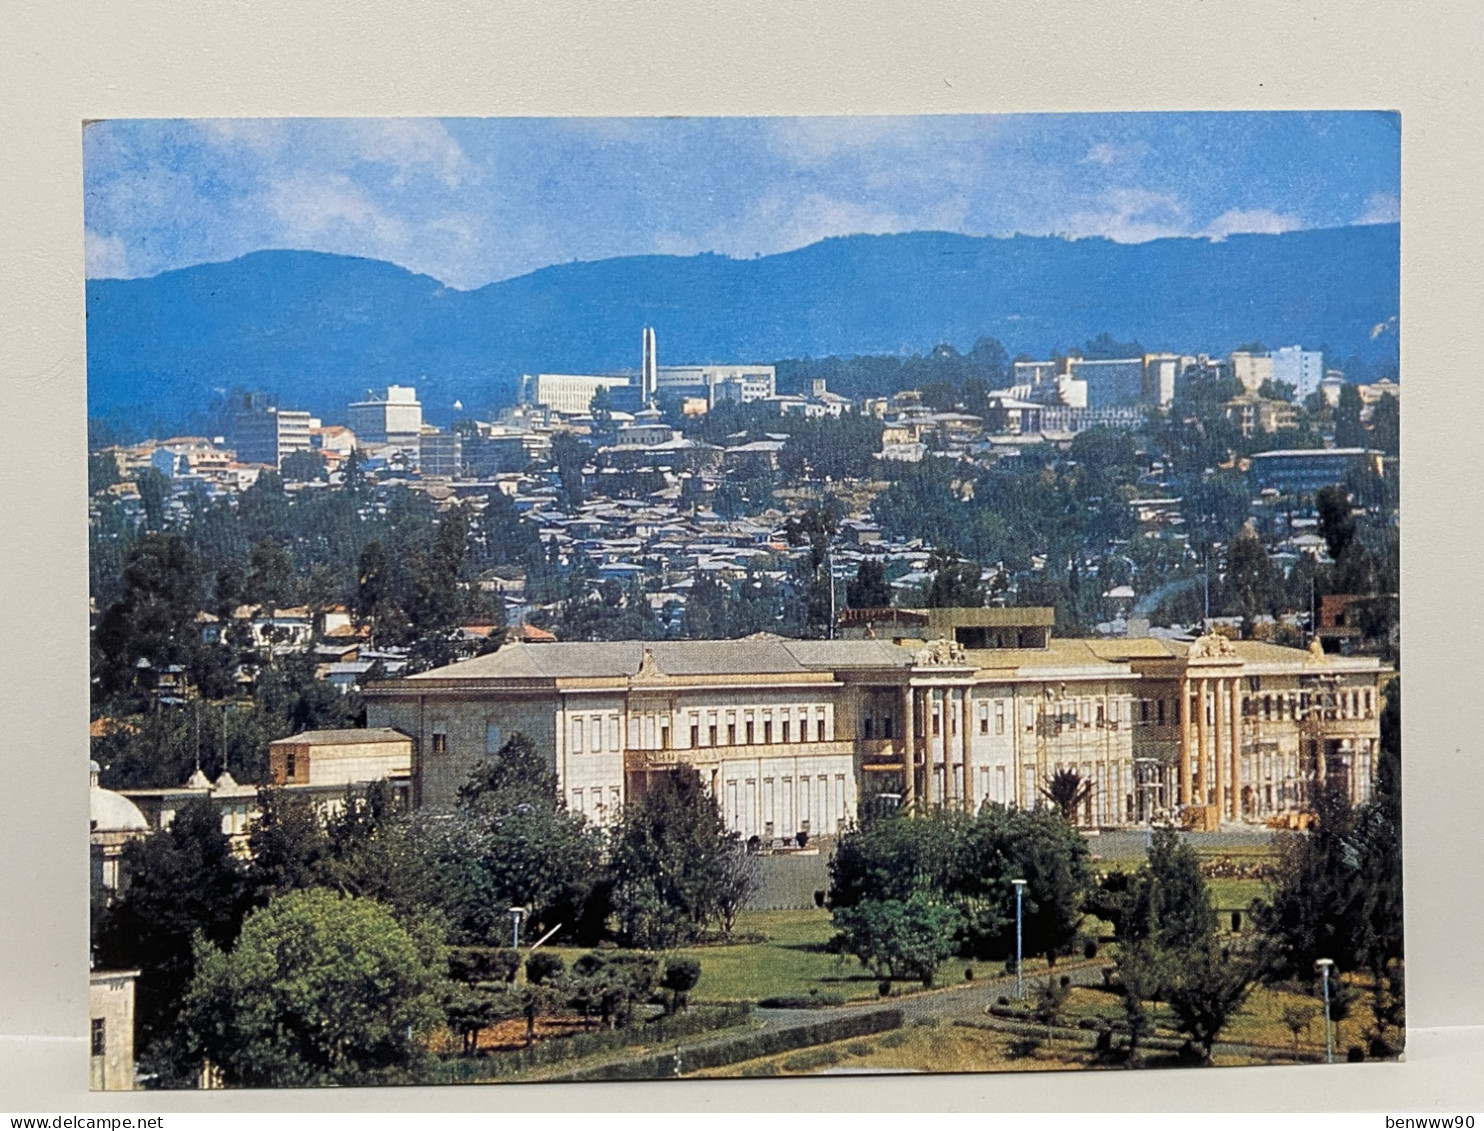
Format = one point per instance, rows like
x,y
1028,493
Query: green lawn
x,y
793,961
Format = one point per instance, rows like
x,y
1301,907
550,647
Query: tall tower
x,y
649,371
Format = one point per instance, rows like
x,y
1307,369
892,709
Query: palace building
x,y
940,706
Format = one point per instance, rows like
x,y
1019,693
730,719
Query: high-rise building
x,y
264,433
395,417
649,368
1301,368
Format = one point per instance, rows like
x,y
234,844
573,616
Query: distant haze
x,y
319,329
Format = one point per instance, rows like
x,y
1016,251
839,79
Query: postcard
x,y
581,599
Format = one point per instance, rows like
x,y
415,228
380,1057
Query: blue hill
x,y
319,330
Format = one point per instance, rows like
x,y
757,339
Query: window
x,y
290,765
768,731
1113,710
491,737
731,734
597,740
886,728
1029,715
999,716
99,1036
633,734
787,725
937,722
1102,715
868,735
577,802
983,718
711,735
613,733
821,728
577,736
749,732
440,742
695,735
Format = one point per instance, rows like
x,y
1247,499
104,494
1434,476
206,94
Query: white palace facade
x,y
944,707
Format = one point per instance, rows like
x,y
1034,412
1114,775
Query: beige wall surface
x,y
69,60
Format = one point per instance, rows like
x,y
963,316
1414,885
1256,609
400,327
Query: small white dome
x,y
111,812
226,781
198,780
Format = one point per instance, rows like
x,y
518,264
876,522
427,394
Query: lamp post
x,y
1323,966
515,914
1019,955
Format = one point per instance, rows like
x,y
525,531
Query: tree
x,y
679,978
1386,425
153,625
898,939
1336,520
180,883
611,983
668,854
955,582
103,472
1349,432
1067,791
302,467
320,989
869,589
1249,576
739,878
1206,986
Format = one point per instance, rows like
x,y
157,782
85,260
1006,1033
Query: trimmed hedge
x,y
750,1047
802,1001
700,1019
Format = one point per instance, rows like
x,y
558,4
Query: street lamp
x,y
1019,955
1323,966
515,914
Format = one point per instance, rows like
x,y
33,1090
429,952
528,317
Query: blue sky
x,y
471,201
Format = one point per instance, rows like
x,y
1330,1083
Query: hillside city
x,y
594,716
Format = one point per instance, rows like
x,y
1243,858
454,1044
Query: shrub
x,y
543,967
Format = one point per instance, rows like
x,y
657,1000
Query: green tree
x,y
153,624
103,472
668,854
1068,792
1349,432
1206,987
1249,577
680,977
956,582
302,467
177,884
1336,520
898,939
869,589
319,989
1386,426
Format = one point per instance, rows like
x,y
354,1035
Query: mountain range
x,y
319,330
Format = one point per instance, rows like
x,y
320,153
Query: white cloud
x,y
261,134
105,256
1102,154
407,144
1130,215
332,207
1381,208
1262,221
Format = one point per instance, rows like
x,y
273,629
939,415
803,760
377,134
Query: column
x,y
971,796
1236,728
1200,726
930,757
1218,745
909,746
1182,704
